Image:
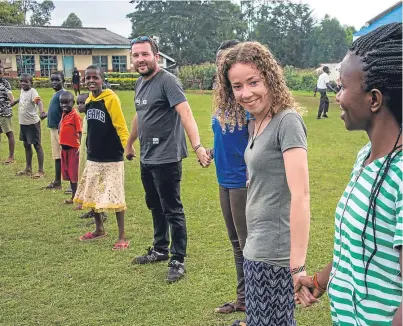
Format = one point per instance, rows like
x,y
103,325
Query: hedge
x,y
197,76
201,77
122,75
125,83
300,79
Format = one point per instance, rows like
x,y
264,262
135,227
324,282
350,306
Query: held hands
x,y
203,156
305,293
130,152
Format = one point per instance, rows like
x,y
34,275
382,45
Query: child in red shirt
x,y
70,138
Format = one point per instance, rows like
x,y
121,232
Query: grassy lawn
x,y
48,277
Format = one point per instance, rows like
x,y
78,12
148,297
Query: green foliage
x,y
191,31
124,83
41,12
300,79
201,77
10,13
122,75
197,76
72,21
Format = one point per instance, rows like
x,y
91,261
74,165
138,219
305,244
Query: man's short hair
x,y
326,69
146,39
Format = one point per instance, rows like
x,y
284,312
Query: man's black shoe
x,y
176,271
151,256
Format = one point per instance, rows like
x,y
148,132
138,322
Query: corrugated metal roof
x,y
59,35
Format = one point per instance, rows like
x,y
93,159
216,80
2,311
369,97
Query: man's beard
x,y
149,72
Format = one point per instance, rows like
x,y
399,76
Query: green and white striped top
x,y
346,288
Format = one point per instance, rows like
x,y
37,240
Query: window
x,y
26,64
48,65
119,63
101,61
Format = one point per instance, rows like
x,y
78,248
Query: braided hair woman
x,y
364,281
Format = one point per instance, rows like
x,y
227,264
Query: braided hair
x,y
381,54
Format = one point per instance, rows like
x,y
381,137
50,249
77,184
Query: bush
x,y
201,77
122,75
197,76
300,79
125,83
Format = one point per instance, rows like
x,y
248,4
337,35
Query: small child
x,y
30,125
101,186
81,108
69,139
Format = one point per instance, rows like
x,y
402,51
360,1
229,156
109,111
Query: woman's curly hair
x,y
227,111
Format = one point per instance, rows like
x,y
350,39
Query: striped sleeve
x,y
118,120
398,238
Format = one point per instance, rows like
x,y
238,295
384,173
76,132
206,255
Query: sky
x,y
111,14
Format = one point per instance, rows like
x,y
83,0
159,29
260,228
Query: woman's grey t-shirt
x,y
269,198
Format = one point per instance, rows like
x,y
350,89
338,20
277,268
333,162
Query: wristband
x,y
316,284
197,147
297,270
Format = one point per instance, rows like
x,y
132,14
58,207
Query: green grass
x,y
48,277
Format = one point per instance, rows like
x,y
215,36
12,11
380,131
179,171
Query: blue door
x,y
68,66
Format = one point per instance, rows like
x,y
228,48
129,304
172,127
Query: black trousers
x,y
161,183
324,103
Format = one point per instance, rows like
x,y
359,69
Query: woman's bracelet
x,y
297,270
315,283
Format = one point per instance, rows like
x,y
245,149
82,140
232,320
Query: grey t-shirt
x,y
269,198
161,134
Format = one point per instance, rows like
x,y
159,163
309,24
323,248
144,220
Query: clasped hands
x,y
305,292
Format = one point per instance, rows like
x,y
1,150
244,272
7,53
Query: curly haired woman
x,y
277,208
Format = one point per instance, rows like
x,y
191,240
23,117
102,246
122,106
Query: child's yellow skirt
x,y
101,187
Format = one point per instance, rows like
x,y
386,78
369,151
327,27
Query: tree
x,y
329,42
285,27
72,21
189,31
10,13
41,12
350,30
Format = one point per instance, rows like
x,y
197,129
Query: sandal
x,y
38,175
121,246
53,186
68,201
9,161
230,307
23,173
239,323
90,236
